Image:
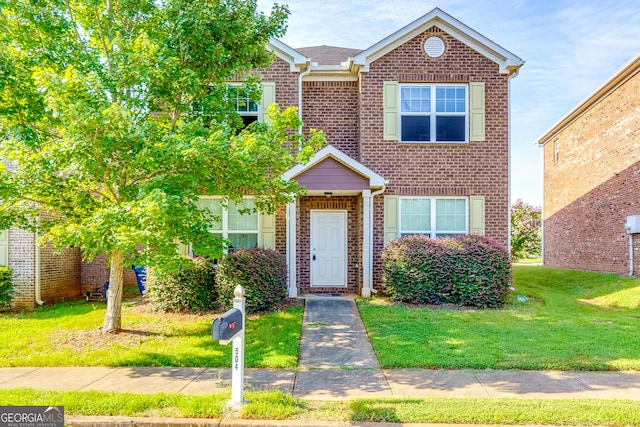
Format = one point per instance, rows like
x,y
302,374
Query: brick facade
x,y
593,184
475,168
346,102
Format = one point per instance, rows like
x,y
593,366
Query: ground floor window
x,y
434,216
238,222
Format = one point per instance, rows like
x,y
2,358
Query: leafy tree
x,y
526,230
114,118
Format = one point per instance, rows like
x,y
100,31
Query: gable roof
x,y
329,151
509,63
625,73
340,61
328,55
296,60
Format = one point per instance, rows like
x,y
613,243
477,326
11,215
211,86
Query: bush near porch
x,y
261,272
7,288
462,270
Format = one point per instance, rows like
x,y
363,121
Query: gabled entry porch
x,y
329,231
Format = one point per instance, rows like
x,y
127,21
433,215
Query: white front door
x,y
329,248
4,247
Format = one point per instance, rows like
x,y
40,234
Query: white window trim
x,y
247,113
433,231
556,151
224,231
433,112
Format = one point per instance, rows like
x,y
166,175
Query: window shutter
x,y
182,248
390,218
267,237
391,111
476,112
476,215
4,247
268,98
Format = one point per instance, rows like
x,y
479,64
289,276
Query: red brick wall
x,y
475,168
594,186
22,262
333,108
353,206
59,272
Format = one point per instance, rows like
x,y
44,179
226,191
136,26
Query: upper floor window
x,y
434,113
556,151
433,216
246,108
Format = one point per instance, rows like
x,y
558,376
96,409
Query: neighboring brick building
x,y
417,128
592,179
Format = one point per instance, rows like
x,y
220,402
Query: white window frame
x,y
556,151
255,113
433,232
433,113
224,230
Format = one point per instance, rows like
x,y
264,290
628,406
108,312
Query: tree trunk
x,y
113,317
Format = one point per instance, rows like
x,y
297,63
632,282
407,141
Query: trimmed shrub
x,y
192,288
7,287
261,272
462,270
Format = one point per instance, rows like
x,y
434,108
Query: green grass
x,y
68,334
280,406
573,320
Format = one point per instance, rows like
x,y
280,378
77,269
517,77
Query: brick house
x,y
418,141
592,179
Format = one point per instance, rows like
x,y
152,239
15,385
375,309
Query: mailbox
x,y
226,327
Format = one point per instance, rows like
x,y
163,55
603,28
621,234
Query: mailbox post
x,y
230,327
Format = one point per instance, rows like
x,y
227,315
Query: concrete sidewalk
x,y
335,384
336,362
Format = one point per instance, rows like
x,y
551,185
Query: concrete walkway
x,y
336,362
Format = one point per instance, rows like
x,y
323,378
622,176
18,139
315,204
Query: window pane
x,y
242,221
450,128
243,240
415,99
215,207
415,215
415,128
451,99
451,215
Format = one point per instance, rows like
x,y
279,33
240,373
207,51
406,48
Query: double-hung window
x,y
246,108
238,222
433,216
434,113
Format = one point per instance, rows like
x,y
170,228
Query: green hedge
x,y
7,287
191,289
462,270
261,272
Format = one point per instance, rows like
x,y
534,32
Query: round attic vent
x,y
434,46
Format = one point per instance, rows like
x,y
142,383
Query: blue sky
x,y
571,47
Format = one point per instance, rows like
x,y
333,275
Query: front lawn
x,y
275,405
571,320
68,334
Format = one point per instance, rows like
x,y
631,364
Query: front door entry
x,y
329,248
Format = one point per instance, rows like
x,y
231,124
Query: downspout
x,y
630,254
300,76
370,243
38,290
511,76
